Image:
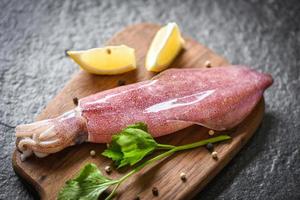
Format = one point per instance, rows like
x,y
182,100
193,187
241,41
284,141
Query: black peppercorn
x,y
155,191
66,52
75,101
121,82
210,147
137,198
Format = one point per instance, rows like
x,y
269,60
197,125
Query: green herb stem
x,y
111,195
175,149
128,147
165,146
172,150
119,181
161,156
202,142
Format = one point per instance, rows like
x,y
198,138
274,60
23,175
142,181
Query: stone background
x,y
262,34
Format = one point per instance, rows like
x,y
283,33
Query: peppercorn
x,y
107,169
108,51
66,52
121,82
214,155
210,147
207,64
92,153
155,191
75,101
211,132
183,177
137,198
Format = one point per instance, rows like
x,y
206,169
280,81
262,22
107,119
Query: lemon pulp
x,y
108,60
165,46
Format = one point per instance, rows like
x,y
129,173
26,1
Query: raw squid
x,y
218,98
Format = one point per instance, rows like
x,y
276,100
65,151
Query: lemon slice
x,y
108,60
165,46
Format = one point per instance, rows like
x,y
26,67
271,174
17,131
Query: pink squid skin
x,y
218,98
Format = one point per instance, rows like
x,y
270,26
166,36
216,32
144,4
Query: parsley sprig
x,y
128,147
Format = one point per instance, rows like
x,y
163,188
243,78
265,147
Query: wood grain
x,y
48,175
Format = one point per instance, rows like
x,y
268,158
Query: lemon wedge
x,y
107,61
165,46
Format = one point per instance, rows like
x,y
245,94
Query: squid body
x,y
218,98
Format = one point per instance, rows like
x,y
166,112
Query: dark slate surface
x,y
263,34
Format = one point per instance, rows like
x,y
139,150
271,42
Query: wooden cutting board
x,y
48,175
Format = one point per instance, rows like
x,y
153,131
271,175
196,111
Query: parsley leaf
x,y
131,145
139,125
127,148
88,185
